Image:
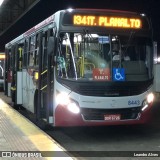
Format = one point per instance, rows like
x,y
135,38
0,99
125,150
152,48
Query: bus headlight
x,y
149,99
63,99
72,107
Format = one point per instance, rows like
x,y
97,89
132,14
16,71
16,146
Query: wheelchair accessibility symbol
x,y
118,74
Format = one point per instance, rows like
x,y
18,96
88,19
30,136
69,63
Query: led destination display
x,y
106,21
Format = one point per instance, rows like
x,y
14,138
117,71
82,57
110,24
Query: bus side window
x,y
20,56
13,58
31,51
25,54
44,53
36,51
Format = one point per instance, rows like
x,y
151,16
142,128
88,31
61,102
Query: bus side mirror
x,y
50,45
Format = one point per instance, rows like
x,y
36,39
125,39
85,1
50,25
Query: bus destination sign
x,y
106,21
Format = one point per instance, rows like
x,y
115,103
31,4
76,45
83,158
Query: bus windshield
x,y
104,57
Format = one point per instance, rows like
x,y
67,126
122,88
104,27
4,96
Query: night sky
x,y
47,7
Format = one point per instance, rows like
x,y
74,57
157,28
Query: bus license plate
x,y
112,117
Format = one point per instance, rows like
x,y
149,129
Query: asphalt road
x,y
113,138
110,138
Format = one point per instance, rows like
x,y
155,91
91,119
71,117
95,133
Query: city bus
x,y
84,67
2,57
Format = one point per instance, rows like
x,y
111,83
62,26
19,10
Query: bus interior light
x,y
94,35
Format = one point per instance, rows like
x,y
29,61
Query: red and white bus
x,y
83,67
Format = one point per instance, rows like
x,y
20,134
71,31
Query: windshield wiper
x,y
129,41
74,65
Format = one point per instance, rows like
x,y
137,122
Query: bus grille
x,y
98,114
110,92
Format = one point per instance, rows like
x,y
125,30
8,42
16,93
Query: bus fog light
x,y
72,107
150,98
144,105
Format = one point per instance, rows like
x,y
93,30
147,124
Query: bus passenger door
x,y
19,50
44,96
16,85
32,67
50,79
25,77
7,79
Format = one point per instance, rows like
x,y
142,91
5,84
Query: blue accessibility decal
x,y
118,74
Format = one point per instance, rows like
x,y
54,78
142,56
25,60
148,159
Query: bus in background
x,y
2,58
84,67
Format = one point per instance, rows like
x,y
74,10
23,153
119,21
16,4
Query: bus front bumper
x,y
64,118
